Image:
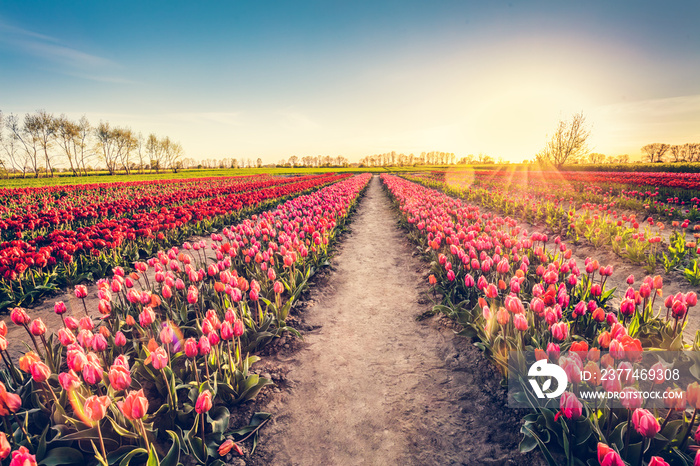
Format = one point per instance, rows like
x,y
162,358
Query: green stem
x,y
687,432
204,443
170,394
102,443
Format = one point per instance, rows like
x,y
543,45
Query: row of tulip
x,y
518,293
153,379
633,239
64,257
35,214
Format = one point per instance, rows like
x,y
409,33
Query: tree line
x,y
41,143
656,152
394,159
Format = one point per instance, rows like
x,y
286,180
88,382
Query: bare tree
x,y
124,144
654,153
596,158
84,149
568,144
67,136
140,150
13,145
677,153
41,127
172,153
107,143
154,148
693,150
29,135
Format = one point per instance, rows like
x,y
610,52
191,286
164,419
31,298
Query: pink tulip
x,y
645,423
81,292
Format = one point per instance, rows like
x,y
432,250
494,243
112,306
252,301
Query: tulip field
x,y
518,291
152,380
179,289
58,236
647,219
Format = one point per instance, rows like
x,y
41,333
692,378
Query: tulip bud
x,y
645,423
40,371
520,322
191,349
22,457
59,308
134,406
204,402
119,377
238,329
37,327
19,316
167,335
69,381
81,292
99,343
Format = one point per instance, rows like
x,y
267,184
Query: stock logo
x,y
542,368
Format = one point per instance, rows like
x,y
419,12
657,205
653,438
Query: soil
x,y
370,383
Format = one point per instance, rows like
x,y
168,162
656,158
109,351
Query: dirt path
x,y
374,386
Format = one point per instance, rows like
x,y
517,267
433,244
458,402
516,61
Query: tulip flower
x,y
608,457
134,406
560,331
520,322
158,358
69,381
40,372
119,377
645,423
204,402
5,446
9,402
59,308
96,407
22,457
119,339
570,407
92,371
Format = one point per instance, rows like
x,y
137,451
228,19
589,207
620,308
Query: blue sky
x,y
275,79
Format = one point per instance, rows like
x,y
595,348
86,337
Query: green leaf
x,y
152,457
138,451
62,455
545,451
173,456
218,418
528,443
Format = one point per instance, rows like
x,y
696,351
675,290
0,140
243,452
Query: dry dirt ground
x,y
371,384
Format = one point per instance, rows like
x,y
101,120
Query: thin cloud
x,y
223,118
64,59
296,120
